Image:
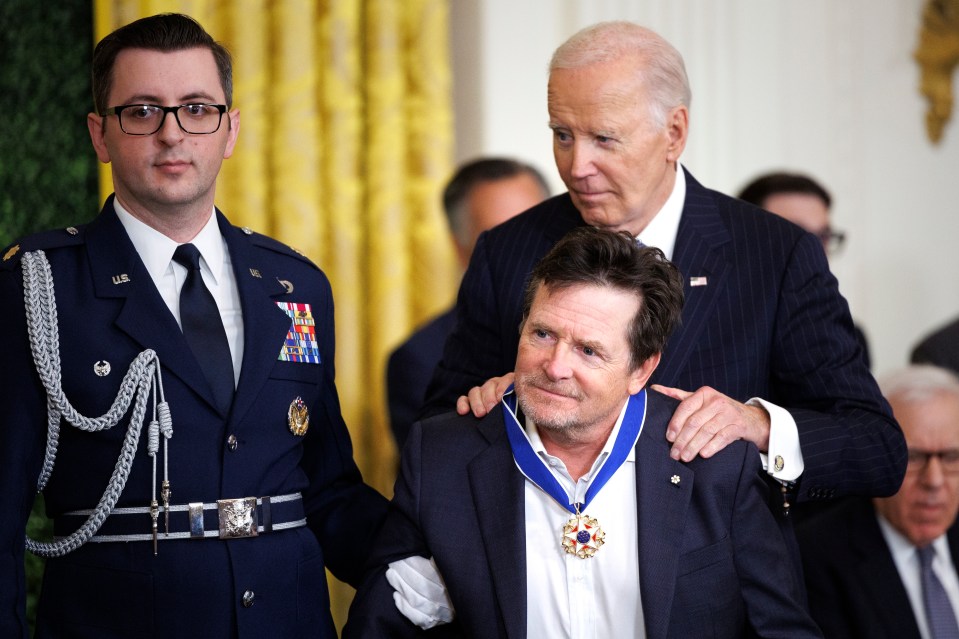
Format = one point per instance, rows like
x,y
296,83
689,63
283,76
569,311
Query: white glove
x,y
420,592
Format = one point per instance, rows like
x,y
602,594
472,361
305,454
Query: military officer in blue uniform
x,y
199,482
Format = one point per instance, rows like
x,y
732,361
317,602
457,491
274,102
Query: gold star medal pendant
x,y
582,535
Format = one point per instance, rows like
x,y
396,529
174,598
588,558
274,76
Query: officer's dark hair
x,y
163,32
476,172
771,184
597,257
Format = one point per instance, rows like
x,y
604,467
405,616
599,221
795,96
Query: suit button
x,y
231,442
248,598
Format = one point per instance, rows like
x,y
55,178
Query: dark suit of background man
x,y
860,557
481,194
651,546
764,318
940,348
806,203
276,450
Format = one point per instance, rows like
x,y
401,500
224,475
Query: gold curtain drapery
x,y
938,56
345,144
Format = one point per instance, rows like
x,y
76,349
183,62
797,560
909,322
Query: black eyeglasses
x,y
919,460
146,119
832,240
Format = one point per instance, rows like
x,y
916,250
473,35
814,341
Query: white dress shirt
x,y
156,252
661,232
573,598
906,558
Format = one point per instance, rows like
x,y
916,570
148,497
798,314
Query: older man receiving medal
x,y
563,514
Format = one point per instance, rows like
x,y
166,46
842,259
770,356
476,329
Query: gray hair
x,y
660,65
917,383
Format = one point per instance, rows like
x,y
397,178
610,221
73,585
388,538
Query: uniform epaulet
x,y
43,241
267,242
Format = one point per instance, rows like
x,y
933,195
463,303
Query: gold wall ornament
x,y
938,55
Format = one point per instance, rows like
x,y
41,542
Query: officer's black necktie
x,y
939,613
203,327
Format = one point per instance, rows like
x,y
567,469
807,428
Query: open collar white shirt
x,y
156,252
573,598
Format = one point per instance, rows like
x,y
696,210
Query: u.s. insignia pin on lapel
x,y
298,417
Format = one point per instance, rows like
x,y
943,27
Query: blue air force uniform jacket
x,y
109,310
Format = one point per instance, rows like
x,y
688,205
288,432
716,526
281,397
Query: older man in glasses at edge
x,y
885,568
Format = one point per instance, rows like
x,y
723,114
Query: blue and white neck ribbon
x,y
536,470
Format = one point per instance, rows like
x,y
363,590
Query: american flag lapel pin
x,y
698,281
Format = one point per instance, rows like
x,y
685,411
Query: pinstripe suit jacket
x,y
711,559
769,322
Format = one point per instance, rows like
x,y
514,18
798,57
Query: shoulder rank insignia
x,y
13,251
300,343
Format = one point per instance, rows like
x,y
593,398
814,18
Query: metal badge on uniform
x,y
10,253
237,517
300,343
101,368
298,417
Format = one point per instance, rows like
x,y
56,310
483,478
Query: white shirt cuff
x,y
784,452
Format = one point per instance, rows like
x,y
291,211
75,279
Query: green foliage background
x,y
48,171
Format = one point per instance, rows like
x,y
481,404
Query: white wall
x,y
819,86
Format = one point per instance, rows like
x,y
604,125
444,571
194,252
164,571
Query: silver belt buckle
x,y
237,517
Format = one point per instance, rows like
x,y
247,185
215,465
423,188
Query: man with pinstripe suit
x,y
766,351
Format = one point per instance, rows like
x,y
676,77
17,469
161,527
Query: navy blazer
x,y
109,311
763,318
712,560
853,584
408,372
